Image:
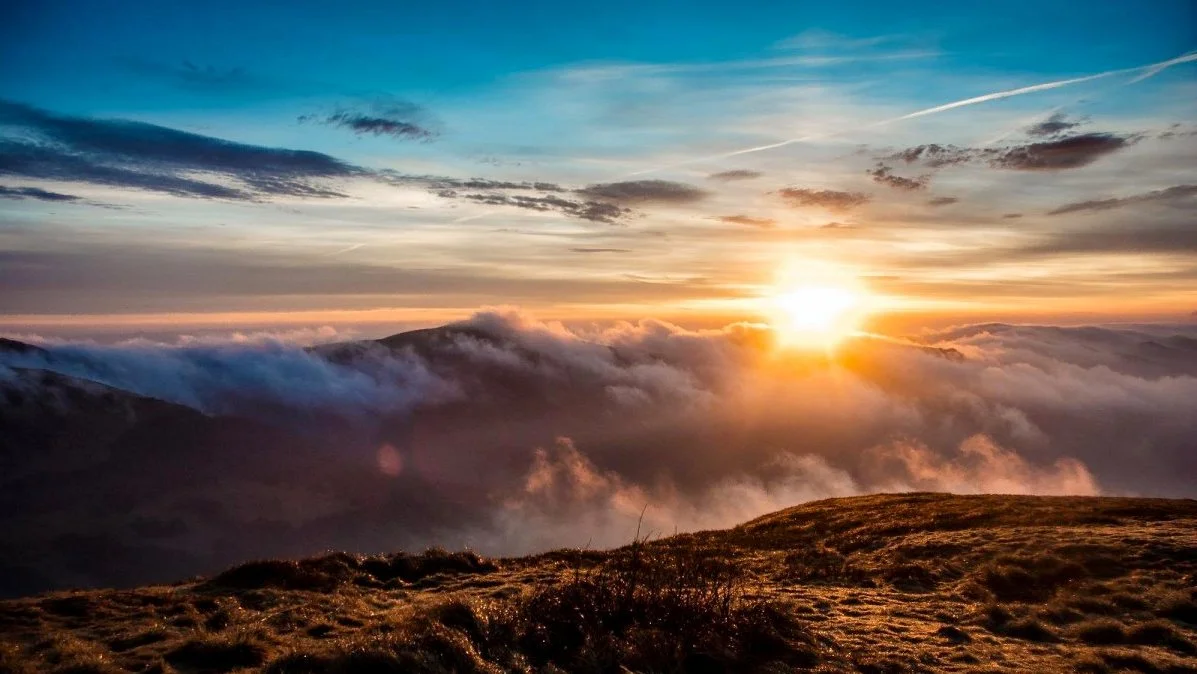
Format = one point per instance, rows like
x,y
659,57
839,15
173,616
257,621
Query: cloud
x,y
221,377
439,183
1057,154
1053,125
151,157
942,201
34,193
747,220
600,250
815,39
934,155
397,119
594,211
1172,195
735,174
832,200
1065,153
883,175
513,435
645,192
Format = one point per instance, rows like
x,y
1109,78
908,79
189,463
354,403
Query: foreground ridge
x,y
884,583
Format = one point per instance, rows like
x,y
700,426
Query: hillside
x,y
887,583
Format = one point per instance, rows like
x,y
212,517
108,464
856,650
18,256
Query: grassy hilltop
x,y
888,583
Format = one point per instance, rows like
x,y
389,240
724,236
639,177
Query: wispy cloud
x,y
933,110
832,200
157,158
398,119
1179,194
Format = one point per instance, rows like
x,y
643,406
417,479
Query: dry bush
x,y
648,608
657,608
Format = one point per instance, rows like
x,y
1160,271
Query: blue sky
x,y
621,119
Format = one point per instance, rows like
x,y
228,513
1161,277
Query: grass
x,y
217,654
901,583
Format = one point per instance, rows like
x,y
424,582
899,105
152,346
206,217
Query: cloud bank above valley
x,y
512,435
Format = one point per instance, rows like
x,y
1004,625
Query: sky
x,y
177,166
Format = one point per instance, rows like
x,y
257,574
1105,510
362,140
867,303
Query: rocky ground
x,y
887,583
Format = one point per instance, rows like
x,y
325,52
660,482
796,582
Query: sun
x,y
815,315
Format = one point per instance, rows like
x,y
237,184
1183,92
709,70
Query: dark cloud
x,y
933,155
47,163
1050,155
735,174
34,193
397,119
942,201
832,200
1167,238
1053,125
645,192
1177,131
513,435
1171,195
439,184
1065,153
600,250
747,220
146,156
883,175
594,211
1011,216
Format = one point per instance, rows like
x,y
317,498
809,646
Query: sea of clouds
x,y
513,435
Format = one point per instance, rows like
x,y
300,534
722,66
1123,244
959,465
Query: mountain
x,y
886,583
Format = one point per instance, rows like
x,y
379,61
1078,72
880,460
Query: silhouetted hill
x,y
885,583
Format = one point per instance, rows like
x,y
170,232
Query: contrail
x,y
1147,71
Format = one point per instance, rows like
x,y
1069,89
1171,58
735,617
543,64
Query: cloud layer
x,y
513,435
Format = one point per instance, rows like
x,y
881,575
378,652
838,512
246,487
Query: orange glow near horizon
x,y
816,315
816,306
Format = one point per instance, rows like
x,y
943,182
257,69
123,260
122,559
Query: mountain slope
x,y
886,583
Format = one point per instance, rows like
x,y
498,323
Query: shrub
x,y
657,609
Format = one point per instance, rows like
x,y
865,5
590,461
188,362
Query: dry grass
x,y
903,583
